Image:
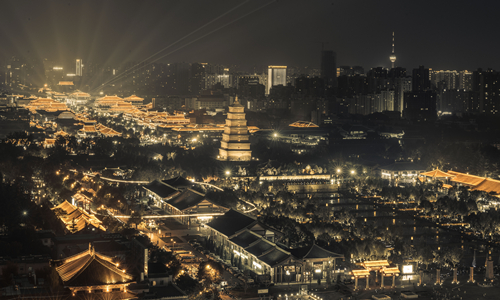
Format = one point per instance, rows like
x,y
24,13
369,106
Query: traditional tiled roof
x,y
274,256
314,251
369,264
245,238
231,222
61,132
134,98
436,174
76,217
50,141
65,206
259,247
186,199
89,268
80,94
360,272
489,186
466,178
161,189
390,270
178,182
88,128
109,98
303,124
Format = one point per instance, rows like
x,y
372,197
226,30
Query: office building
x,y
421,79
329,69
486,88
79,68
276,76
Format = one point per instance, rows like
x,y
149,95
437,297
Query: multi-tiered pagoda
x,y
235,145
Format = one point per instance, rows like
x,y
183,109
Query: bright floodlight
x,y
275,134
228,172
338,170
25,213
352,172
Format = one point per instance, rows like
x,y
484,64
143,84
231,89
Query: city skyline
x,y
252,33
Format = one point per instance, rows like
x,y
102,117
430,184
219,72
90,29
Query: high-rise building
x,y
79,67
15,73
314,87
276,76
393,56
486,88
420,105
329,69
421,79
401,86
235,144
445,79
465,80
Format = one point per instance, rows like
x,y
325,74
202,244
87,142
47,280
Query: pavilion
x,y
90,272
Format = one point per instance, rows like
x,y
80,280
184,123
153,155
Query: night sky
x,y
438,34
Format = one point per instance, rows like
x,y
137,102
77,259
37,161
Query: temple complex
x,y
258,248
235,144
76,219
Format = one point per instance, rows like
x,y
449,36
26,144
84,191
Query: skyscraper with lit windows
x,y
276,76
78,67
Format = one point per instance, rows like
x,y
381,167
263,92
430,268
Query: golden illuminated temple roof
x,y
303,124
46,104
489,185
61,132
89,268
134,98
466,179
360,272
436,174
390,270
80,94
76,217
375,264
110,98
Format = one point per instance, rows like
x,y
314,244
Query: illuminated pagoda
x,y
89,272
235,145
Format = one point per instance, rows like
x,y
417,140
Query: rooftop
x,y
231,222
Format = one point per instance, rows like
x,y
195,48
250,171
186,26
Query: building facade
x,y
276,76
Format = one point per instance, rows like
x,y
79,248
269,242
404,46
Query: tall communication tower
x,y
393,56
